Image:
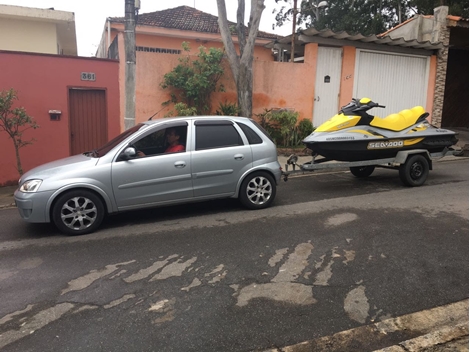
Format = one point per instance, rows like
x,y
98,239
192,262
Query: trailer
x,y
413,165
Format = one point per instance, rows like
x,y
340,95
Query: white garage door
x,y
395,80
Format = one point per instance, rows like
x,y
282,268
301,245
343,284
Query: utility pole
x,y
292,49
129,48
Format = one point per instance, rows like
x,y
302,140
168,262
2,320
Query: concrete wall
x,y
42,83
36,30
31,36
275,84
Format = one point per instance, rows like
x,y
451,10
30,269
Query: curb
x,y
435,338
411,332
7,206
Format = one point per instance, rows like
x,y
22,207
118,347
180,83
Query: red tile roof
x,y
184,18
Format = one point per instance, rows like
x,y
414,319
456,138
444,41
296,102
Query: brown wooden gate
x,y
88,127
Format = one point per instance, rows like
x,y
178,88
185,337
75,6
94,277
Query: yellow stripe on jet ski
x,y
338,122
412,141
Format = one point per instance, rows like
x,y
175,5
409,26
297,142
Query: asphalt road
x,y
333,253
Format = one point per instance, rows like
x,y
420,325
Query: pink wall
x,y
275,84
42,82
151,67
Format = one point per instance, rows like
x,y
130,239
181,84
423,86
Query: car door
x,y
219,159
155,177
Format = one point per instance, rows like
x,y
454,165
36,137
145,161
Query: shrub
x,y
181,109
228,109
304,128
281,125
193,81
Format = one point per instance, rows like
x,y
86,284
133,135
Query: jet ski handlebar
x,y
360,106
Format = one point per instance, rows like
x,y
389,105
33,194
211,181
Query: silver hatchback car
x,y
160,162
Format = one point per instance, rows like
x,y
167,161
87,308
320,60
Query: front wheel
x,y
414,171
258,190
78,212
362,171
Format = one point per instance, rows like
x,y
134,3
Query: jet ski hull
x,y
342,147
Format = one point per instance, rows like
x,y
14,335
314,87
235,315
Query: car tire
x,y
414,171
258,190
78,212
362,171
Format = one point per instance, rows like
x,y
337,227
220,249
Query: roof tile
x,y
184,18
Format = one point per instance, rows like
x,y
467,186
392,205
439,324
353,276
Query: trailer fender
x,y
403,155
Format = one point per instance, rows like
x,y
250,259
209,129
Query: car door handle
x,y
180,164
239,157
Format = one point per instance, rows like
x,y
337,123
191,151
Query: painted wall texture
x,y
42,82
46,31
37,37
275,84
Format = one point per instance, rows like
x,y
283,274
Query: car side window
x,y
216,136
152,144
169,140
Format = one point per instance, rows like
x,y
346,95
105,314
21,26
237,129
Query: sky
x,y
90,15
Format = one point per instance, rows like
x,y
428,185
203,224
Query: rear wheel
x,y
362,171
258,190
414,171
78,212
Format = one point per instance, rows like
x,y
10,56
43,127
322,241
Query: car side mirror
x,y
128,153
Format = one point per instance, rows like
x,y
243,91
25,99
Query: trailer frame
x,y
413,165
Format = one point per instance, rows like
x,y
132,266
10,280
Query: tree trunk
x,y
18,160
245,90
241,66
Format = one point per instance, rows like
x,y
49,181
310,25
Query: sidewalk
x,y
439,329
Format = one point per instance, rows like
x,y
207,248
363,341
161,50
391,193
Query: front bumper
x,y
33,207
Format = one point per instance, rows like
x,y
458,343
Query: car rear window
x,y
262,129
251,135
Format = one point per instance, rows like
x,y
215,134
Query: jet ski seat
x,y
400,121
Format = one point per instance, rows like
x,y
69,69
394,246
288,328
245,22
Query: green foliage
x,y
181,109
193,81
304,128
14,121
364,16
284,128
228,109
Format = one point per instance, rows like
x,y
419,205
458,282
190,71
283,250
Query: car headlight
x,y
30,186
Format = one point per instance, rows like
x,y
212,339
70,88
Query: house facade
x,y
74,113
328,70
37,30
450,106
159,38
74,100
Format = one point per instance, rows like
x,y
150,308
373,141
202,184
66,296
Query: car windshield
x,y
96,153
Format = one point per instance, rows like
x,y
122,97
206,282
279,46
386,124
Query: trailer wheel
x,y
414,171
362,171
